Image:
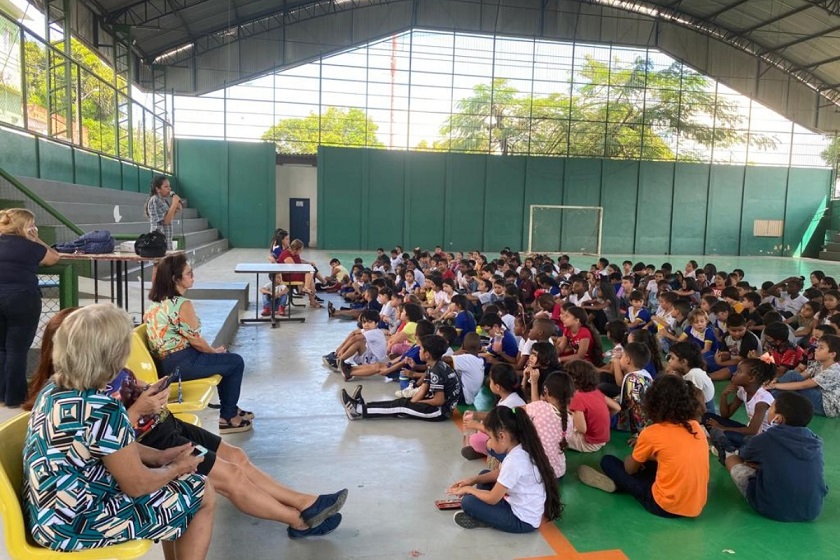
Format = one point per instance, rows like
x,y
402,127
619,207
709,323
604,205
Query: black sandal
x,y
245,414
227,427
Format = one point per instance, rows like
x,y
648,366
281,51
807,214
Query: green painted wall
x,y
23,155
233,185
375,198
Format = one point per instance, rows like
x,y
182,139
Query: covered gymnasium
x,y
660,130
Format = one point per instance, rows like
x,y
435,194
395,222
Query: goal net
x,y
565,229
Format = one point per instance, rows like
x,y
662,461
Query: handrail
x,y
40,202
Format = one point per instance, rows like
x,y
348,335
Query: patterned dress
x,y
72,501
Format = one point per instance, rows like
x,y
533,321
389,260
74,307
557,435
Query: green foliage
x,y
831,153
618,112
339,127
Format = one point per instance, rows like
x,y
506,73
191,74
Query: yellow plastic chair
x,y
19,542
195,395
142,333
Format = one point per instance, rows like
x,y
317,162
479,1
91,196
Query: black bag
x,y
151,245
92,243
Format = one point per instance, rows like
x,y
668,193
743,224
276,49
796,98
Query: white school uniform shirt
x,y
575,300
279,289
389,313
786,304
508,321
396,261
525,346
484,297
376,345
702,381
470,370
762,395
419,277
442,298
526,491
511,401
651,288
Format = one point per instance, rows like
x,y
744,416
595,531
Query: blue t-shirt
x,y
466,323
414,354
509,345
19,258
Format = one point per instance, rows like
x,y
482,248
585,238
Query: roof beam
x,y
831,6
725,9
258,25
779,17
819,63
803,39
146,12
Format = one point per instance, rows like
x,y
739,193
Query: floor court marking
x,y
563,549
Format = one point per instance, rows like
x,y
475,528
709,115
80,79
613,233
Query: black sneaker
x,y
721,445
356,395
349,405
331,361
464,520
346,371
471,454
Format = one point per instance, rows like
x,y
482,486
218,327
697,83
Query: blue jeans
x,y
282,300
200,365
735,438
19,314
639,485
500,516
814,394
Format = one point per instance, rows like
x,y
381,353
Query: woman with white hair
x,y
21,253
88,484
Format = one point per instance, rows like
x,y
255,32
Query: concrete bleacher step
x,y
219,320
830,256
122,213
238,291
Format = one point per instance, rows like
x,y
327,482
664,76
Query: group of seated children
x,y
445,325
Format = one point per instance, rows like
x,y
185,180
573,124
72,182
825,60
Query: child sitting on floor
x,y
684,359
820,382
780,471
549,411
505,384
365,345
579,340
747,386
404,367
438,395
786,355
517,497
739,344
280,297
469,367
591,417
668,471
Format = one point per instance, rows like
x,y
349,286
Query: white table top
x,y
267,267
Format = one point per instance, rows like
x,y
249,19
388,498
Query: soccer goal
x,y
565,229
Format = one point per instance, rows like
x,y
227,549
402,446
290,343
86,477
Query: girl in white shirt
x,y
505,384
516,498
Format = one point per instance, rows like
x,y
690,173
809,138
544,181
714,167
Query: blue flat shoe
x,y
329,525
325,506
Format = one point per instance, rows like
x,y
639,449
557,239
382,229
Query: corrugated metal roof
x,y
797,38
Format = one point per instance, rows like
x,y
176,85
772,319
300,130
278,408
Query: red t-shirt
x,y
574,342
596,413
789,357
287,254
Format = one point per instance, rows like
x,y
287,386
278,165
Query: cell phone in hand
x,y
199,451
164,385
448,504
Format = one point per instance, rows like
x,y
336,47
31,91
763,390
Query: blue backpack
x,y
92,243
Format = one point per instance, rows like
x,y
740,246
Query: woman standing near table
x,y
21,253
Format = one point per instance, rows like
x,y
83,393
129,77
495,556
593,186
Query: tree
x,y
338,127
617,112
831,153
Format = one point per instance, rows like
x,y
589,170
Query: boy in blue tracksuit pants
x,y
780,471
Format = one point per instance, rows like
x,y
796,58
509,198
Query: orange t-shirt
x,y
682,474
